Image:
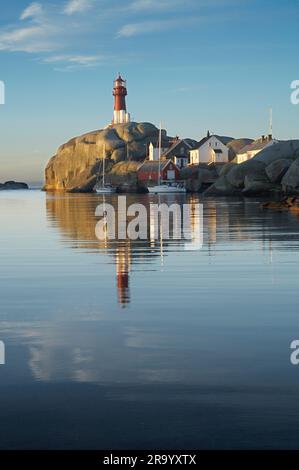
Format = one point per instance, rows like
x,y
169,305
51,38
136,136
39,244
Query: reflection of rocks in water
x,y
75,216
225,221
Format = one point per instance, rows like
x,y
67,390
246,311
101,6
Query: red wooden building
x,y
149,171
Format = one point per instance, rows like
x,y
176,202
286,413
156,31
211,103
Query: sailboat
x,y
104,188
167,187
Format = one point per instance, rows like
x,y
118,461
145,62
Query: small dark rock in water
x,y
286,204
13,185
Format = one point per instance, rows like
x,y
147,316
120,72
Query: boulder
x,y
227,168
262,173
257,183
198,177
277,169
236,177
221,187
290,181
74,167
124,176
288,149
13,185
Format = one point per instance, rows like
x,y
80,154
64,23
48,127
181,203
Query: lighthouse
x,y
120,115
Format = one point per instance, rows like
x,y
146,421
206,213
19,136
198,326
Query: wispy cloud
x,y
74,61
146,27
35,32
44,28
77,6
29,39
72,30
33,11
142,5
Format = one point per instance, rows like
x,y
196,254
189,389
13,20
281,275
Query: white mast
x,y
271,122
104,158
160,145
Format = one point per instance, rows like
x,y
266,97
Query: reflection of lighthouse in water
x,y
123,265
120,115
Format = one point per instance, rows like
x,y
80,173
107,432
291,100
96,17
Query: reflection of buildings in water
x,y
205,221
211,221
123,261
224,221
74,215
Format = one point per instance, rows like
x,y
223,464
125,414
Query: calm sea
x,y
146,344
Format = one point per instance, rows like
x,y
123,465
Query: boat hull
x,y
106,190
163,189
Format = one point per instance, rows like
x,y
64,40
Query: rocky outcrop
x,y
288,149
76,164
236,177
274,169
123,175
257,183
221,188
13,185
290,181
198,177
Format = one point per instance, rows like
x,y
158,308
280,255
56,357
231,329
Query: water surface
x,y
121,344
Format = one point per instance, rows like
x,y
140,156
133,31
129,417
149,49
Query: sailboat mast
x,y
160,145
104,158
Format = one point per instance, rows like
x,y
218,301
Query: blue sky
x,y
194,64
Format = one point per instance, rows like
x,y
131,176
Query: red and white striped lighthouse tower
x,y
120,115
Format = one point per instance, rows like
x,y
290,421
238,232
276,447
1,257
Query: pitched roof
x,y
153,165
175,144
224,139
258,144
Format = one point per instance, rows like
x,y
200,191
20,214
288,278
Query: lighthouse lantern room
x,y
120,115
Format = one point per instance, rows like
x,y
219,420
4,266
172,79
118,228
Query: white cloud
x,y
77,6
24,39
75,60
73,39
33,11
145,27
143,5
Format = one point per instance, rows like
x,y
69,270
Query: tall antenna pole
x,y
271,121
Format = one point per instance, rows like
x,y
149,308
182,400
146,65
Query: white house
x,y
251,150
154,152
211,149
